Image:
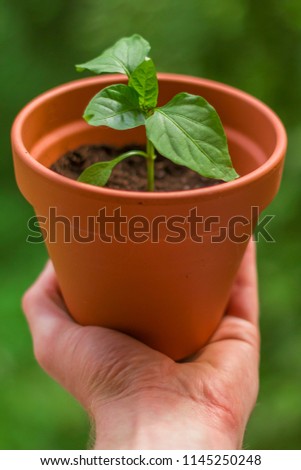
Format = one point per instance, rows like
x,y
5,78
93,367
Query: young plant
x,y
187,130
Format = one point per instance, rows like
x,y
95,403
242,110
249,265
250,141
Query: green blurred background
x,y
254,45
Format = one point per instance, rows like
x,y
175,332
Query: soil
x,y
130,174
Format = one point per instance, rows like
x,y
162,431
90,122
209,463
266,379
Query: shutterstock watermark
x,y
114,226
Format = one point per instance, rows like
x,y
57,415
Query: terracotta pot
x,y
170,295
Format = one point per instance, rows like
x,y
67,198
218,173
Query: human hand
x,y
140,398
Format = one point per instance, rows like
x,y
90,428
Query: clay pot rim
x,y
272,162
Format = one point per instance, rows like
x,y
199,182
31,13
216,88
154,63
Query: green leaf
x,y
123,57
144,81
99,173
188,131
116,106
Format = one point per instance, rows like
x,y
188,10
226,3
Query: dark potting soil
x,y
131,173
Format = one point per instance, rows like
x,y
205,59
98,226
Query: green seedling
x,y
187,130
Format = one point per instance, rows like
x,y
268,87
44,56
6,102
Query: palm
x,y
99,365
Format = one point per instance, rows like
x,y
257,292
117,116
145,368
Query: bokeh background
x,y
251,44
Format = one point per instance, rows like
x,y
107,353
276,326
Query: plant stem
x,y
132,153
150,150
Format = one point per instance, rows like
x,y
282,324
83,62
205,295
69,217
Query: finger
x,y
241,319
230,368
231,377
48,318
233,351
243,301
42,303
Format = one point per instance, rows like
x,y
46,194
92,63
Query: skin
x,y
139,398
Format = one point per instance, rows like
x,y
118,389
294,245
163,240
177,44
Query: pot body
x,y
157,266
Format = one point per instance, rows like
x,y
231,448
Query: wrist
x,y
156,422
